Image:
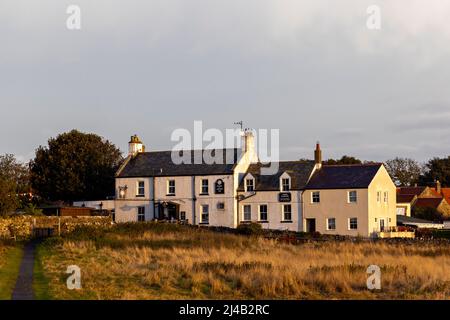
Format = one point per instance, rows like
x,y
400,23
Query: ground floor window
x,y
247,212
141,213
205,213
331,224
263,212
182,215
287,212
353,223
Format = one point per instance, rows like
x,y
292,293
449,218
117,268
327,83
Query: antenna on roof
x,y
240,123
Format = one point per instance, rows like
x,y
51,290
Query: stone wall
x,y
22,226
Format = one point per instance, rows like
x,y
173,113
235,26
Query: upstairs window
x,y
378,196
205,186
249,185
171,187
352,196
386,196
285,184
140,189
315,197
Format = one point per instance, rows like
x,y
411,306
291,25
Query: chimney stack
x,y
438,187
135,146
318,156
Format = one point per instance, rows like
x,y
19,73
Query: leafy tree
x,y
343,160
75,166
436,169
404,171
427,213
14,183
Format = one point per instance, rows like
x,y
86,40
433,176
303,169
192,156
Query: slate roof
x,y
406,219
299,171
410,190
159,163
344,176
428,202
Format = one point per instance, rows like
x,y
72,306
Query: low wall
x,y
22,226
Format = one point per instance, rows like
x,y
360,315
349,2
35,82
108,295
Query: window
x,y
249,185
247,212
141,214
263,212
285,184
205,213
352,196
353,223
140,189
331,224
316,197
386,196
287,212
205,186
220,205
171,187
378,196
182,215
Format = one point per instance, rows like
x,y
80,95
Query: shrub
x,y
424,233
251,228
427,213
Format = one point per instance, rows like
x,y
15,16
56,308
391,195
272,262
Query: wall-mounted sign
x,y
284,197
219,187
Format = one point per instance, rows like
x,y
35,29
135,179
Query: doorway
x,y
310,225
382,225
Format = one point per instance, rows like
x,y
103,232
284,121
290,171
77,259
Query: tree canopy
x,y
344,160
14,183
404,172
436,169
75,166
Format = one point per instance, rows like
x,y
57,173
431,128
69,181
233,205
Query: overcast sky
x,y
309,68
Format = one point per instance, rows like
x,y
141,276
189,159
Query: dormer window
x,y
249,185
285,184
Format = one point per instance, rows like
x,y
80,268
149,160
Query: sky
x,y
311,69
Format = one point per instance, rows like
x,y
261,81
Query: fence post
x,y
59,226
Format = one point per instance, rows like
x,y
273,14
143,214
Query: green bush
x,y
427,213
251,229
443,234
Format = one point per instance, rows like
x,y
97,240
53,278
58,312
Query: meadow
x,y
164,261
10,258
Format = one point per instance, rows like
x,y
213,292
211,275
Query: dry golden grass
x,y
193,264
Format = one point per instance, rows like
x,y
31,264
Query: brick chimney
x,y
318,156
438,187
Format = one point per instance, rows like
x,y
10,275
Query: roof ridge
x,y
354,165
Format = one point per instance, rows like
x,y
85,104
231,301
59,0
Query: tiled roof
x,y
405,198
299,171
428,202
446,193
344,176
159,163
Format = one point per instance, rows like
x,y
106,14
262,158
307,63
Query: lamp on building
x,y
122,192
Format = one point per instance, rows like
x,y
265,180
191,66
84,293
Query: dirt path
x,y
24,284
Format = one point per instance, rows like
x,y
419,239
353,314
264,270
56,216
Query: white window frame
x,y
349,199
328,224
312,196
141,215
204,213
169,187
283,212
202,186
243,212
139,188
267,212
247,185
283,185
350,224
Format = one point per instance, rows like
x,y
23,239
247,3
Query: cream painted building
x,y
355,200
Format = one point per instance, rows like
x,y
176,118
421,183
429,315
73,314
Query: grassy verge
x,y
158,261
10,259
40,281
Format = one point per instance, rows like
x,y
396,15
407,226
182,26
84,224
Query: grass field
x,y
161,261
10,258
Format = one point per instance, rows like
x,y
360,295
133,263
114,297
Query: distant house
x,y
417,223
436,197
